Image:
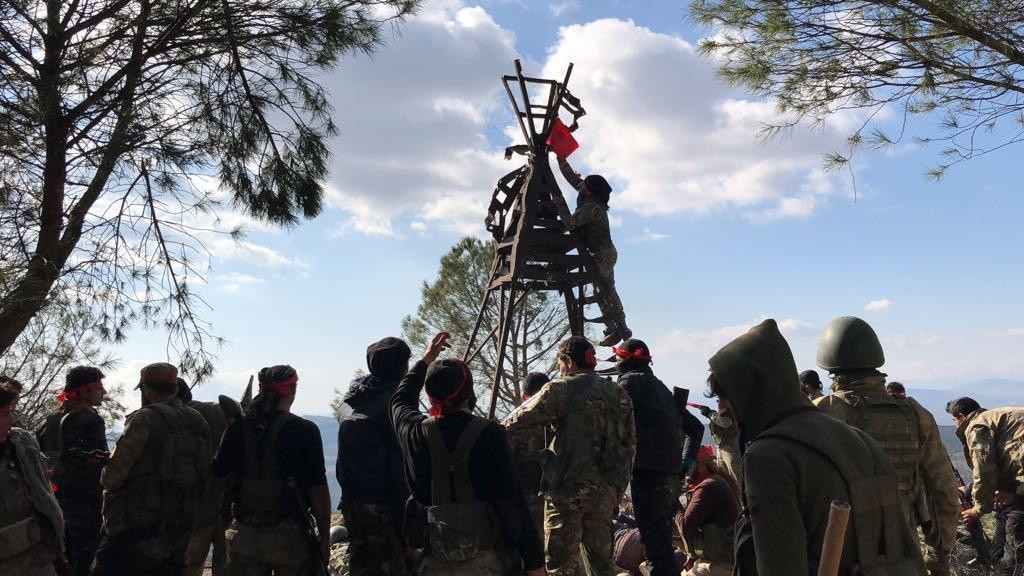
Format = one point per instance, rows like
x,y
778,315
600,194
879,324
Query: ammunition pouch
x,y
460,531
19,537
461,528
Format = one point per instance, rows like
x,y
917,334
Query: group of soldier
x,y
587,476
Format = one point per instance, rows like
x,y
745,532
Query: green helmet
x,y
849,343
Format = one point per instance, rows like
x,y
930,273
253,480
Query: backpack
x,y
262,496
459,528
184,460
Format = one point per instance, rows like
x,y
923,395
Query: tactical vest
x,y
893,424
459,527
19,527
76,479
874,502
263,496
590,437
712,543
163,486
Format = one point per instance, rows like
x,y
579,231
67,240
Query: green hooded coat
x,y
798,461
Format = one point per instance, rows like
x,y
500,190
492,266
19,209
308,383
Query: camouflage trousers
x,y
701,568
608,297
279,549
486,564
581,522
375,545
36,561
203,537
147,551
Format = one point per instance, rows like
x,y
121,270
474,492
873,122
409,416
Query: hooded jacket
x,y
790,481
369,467
659,437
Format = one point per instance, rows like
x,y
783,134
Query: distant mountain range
x,y
990,393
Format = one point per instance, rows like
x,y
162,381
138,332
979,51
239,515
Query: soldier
x,y
850,351
31,522
797,460
710,509
590,221
726,436
279,493
655,481
895,390
810,384
152,482
590,459
209,524
994,447
369,469
468,508
528,446
74,440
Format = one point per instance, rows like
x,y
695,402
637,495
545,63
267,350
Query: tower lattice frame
x,y
534,249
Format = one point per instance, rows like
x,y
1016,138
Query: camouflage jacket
x,y
528,443
994,446
910,438
551,407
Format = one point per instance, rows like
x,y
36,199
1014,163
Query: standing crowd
x,y
587,476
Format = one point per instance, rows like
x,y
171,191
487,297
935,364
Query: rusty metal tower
x,y
534,249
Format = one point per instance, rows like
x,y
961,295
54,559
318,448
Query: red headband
x,y
705,453
638,354
441,408
75,394
284,387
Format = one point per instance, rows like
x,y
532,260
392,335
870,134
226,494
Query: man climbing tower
x,y
590,221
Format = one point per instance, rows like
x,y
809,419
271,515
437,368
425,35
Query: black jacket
x,y
659,437
491,468
369,467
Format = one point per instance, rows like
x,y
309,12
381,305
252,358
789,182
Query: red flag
x,y
560,140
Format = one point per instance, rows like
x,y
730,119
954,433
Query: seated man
x,y
590,221
710,509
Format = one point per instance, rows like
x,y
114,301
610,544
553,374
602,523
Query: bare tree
x,y
113,114
57,338
962,60
451,304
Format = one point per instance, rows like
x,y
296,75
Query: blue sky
x,y
715,230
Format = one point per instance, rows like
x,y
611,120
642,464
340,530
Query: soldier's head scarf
x,y
281,379
449,385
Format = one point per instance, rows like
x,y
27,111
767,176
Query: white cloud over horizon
x,y
421,139
878,305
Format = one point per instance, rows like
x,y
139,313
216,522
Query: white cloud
x,y
559,8
413,125
705,343
648,237
671,138
878,305
234,281
1007,333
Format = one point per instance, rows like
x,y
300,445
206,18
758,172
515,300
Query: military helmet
x,y
849,343
339,534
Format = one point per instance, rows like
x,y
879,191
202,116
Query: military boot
x,y
615,333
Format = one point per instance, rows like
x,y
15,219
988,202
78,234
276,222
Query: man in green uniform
x,y
527,448
152,482
797,461
74,439
810,383
589,461
31,523
209,526
994,447
590,221
850,351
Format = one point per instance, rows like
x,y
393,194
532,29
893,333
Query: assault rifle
x,y
309,529
979,540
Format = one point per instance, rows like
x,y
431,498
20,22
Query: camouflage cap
x,y
158,372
